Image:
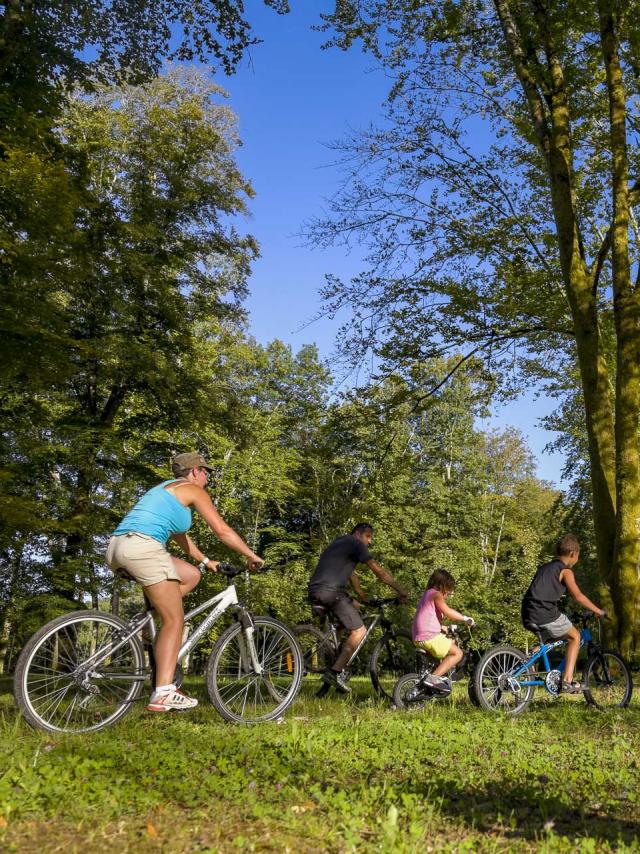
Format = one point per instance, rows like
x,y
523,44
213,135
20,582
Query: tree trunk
x,y
546,97
6,622
624,579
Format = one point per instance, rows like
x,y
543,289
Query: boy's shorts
x,y
437,646
553,631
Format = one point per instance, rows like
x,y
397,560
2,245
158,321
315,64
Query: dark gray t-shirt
x,y
540,603
338,561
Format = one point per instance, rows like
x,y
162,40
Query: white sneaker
x,y
438,683
175,700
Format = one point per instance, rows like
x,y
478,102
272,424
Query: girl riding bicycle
x,y
139,547
427,628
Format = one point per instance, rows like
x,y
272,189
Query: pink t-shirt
x,y
426,623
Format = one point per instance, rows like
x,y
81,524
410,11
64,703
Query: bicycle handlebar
x,y
380,603
589,615
230,571
455,628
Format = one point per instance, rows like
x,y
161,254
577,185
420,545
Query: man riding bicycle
x,y
327,587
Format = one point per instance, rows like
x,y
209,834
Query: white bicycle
x,y
85,670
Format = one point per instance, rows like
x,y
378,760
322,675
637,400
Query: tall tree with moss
x,y
499,206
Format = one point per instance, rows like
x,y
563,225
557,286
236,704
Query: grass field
x,y
335,775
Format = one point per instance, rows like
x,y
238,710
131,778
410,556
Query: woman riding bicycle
x,y
138,546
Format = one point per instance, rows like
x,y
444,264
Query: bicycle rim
x,y
608,681
495,687
237,691
60,692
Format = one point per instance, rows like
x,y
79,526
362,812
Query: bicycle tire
x,y
608,681
47,686
231,682
318,654
402,687
392,656
491,681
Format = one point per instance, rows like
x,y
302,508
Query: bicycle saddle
x,y
318,610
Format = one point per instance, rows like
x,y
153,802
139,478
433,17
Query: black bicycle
x,y
392,655
413,693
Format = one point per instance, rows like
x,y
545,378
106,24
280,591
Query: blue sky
x,y
292,98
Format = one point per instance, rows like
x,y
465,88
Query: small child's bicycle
x,y
411,692
506,677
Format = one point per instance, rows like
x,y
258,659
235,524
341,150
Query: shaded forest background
x,y
124,341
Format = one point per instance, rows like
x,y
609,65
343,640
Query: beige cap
x,y
190,460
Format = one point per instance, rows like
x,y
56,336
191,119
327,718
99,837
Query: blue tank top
x,y
158,514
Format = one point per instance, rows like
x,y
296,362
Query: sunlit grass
x,y
336,775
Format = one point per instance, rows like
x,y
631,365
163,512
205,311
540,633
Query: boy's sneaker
x,y
337,680
168,701
572,687
438,683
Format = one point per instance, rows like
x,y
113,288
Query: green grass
x,y
336,775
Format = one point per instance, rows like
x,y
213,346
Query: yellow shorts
x,y
438,646
146,560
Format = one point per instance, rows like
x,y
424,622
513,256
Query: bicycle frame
x,y
375,620
543,653
220,603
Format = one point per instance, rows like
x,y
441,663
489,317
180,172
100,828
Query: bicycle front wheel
x,y
494,684
75,674
239,691
392,657
607,680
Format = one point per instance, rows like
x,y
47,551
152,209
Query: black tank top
x,y
540,603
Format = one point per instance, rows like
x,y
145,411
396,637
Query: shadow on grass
x,y
520,812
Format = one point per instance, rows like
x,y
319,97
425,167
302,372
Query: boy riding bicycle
x,y
540,612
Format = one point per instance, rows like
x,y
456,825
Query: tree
x,y
522,248
158,269
47,50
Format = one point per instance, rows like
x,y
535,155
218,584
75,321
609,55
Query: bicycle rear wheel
x,y
608,681
69,678
392,657
318,654
241,694
495,686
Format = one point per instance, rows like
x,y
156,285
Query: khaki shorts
x,y
438,646
146,560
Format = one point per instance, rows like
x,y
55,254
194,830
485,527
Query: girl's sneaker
x,y
168,701
438,683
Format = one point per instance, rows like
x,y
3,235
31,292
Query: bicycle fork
x,y
248,652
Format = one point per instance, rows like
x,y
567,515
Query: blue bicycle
x,y
505,677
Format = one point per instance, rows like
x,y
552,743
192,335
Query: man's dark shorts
x,y
340,603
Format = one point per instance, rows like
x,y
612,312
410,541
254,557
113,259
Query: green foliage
x,y
504,243
145,288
